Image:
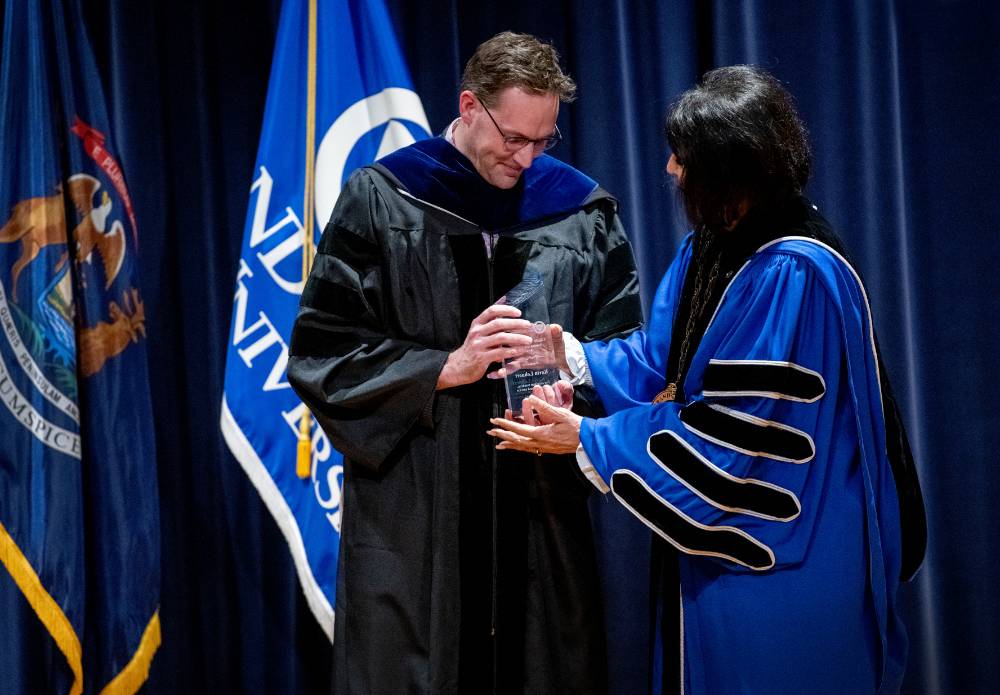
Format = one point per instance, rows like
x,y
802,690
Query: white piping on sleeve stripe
x,y
756,421
692,522
759,394
773,363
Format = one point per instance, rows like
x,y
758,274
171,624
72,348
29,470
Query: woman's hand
x,y
559,394
556,332
556,429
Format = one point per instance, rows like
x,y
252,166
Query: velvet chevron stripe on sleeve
x,y
683,532
747,434
718,488
785,380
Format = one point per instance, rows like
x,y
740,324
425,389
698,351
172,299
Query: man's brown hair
x,y
516,60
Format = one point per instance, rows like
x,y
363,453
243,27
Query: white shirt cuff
x,y
587,468
576,359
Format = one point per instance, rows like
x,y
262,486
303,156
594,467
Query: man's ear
x,y
467,105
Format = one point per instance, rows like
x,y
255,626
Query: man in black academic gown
x,y
462,569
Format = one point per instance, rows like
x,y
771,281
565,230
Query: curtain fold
x,y
901,100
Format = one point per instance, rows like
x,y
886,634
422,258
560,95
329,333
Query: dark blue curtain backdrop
x,y
901,99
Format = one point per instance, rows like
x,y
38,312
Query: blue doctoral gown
x,y
771,478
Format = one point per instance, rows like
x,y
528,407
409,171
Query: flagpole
x,y
303,461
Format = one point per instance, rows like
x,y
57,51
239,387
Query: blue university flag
x,y
79,514
339,98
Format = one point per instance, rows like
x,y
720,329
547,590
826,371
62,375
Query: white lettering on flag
x,y
269,338
50,435
328,489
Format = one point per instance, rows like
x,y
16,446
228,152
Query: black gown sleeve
x,y
614,309
366,387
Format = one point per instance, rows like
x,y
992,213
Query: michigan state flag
x,y
79,526
339,97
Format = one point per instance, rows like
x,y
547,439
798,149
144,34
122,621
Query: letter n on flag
x,y
79,511
339,97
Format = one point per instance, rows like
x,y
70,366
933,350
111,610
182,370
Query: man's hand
x,y
556,332
491,338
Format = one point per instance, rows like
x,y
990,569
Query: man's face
x,y
518,114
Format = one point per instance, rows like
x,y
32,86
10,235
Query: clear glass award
x,y
537,364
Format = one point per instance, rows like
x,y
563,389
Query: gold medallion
x,y
667,394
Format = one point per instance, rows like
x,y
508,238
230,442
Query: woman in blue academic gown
x,y
750,425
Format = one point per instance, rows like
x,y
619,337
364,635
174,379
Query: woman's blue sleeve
x,y
735,472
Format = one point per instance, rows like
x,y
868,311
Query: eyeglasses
x,y
513,143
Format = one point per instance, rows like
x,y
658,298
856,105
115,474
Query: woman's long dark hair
x,y
740,141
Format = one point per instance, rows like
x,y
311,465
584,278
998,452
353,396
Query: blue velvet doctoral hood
x,y
435,172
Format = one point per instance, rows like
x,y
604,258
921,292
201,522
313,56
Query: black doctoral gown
x,y
462,569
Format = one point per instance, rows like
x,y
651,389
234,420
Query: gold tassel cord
x,y
136,671
303,463
45,607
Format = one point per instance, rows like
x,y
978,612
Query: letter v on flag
x,y
339,97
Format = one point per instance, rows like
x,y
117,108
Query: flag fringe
x,y
45,607
135,673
